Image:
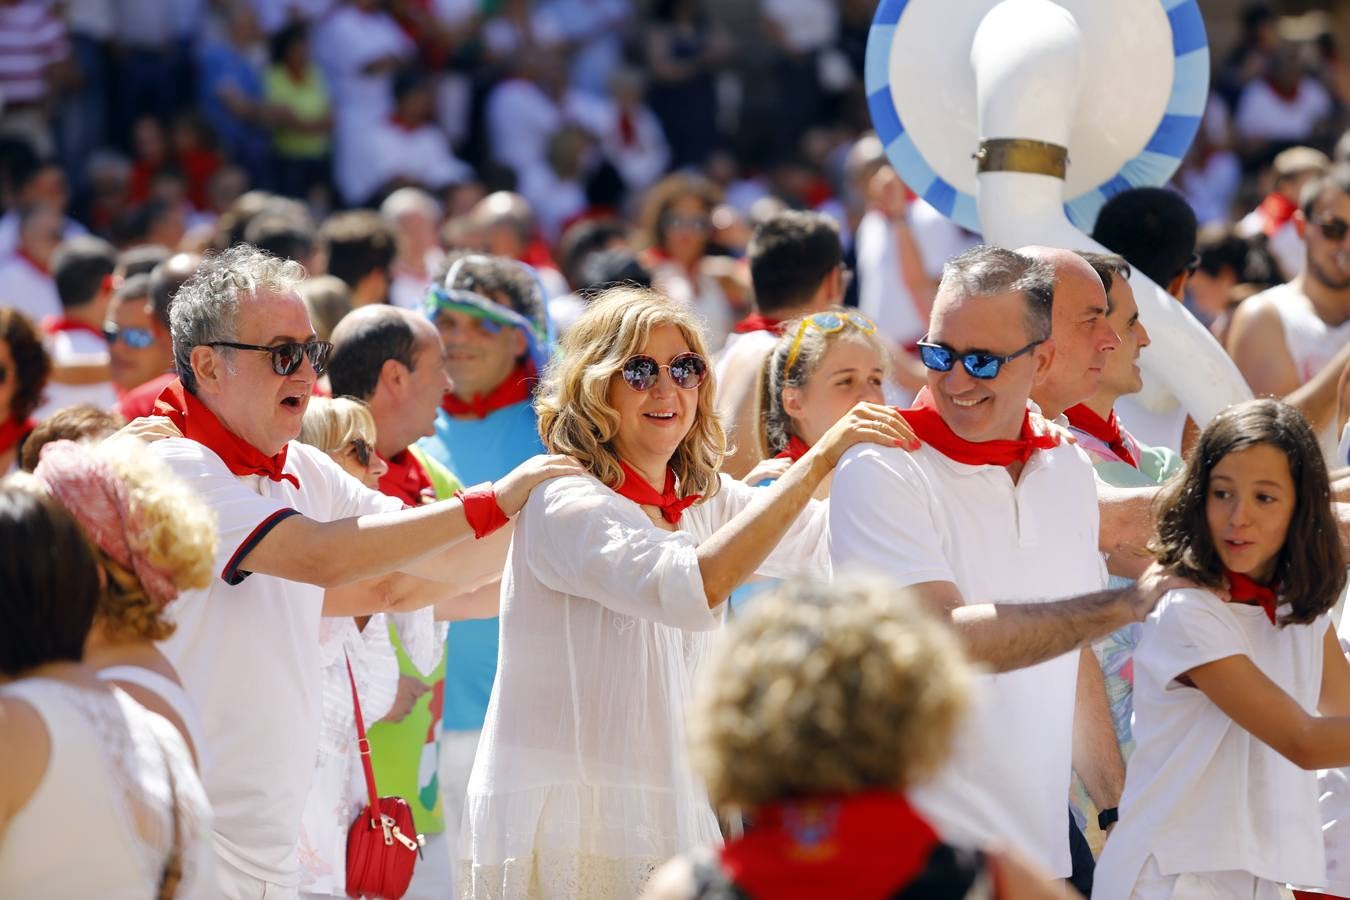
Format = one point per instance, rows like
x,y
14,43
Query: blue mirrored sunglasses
x,y
978,363
135,338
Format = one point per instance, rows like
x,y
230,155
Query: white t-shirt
x,y
247,649
420,155
882,294
1261,113
917,517
1202,794
76,347
28,289
582,763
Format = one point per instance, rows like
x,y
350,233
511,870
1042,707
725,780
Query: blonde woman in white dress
x,y
614,585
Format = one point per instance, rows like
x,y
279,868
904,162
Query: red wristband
x,y
481,509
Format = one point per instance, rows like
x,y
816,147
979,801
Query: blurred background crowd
x,y
594,139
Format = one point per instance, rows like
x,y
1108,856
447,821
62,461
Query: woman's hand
x,y
147,429
1041,425
870,423
767,470
514,488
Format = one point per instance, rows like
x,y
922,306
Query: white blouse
x,y
338,792
581,785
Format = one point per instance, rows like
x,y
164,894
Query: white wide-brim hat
x,y
1144,89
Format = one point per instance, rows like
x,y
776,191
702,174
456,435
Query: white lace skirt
x,y
573,840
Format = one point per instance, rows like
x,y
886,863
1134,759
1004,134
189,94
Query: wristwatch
x,y
1107,817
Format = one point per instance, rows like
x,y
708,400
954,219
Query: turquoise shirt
x,y
478,450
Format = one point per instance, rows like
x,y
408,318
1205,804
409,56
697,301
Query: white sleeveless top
x,y
99,823
173,695
1312,344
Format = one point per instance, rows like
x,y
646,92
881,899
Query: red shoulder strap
x,y
361,743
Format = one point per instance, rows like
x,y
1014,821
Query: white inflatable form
x,y
1027,56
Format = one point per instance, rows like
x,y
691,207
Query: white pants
x,y
237,885
1153,885
456,764
434,876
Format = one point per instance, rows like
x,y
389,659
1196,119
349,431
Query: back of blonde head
x,y
575,416
330,423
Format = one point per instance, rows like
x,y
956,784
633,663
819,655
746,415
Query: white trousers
x,y
237,885
1153,885
456,764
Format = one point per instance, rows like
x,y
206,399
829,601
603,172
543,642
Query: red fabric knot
x,y
516,388
197,423
1277,210
930,428
1105,430
636,488
796,449
407,480
759,322
1243,589
97,497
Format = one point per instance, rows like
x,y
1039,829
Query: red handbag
x,y
383,843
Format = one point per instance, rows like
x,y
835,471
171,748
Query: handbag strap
x,y
361,743
172,873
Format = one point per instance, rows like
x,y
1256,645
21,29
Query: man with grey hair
x,y
298,537
993,524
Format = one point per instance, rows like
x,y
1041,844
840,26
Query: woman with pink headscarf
x,y
152,537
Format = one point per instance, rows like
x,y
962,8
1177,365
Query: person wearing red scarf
x,y
291,527
995,520
825,817
616,581
82,270
796,269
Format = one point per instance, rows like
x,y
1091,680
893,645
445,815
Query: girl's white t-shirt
x,y
1202,794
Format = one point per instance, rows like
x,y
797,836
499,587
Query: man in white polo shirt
x,y
291,523
992,523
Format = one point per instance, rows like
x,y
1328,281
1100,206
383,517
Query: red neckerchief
x,y
923,417
871,844
57,324
1105,430
12,431
515,388
1244,590
536,255
403,124
759,322
796,449
1286,95
636,488
32,261
407,480
197,423
1277,210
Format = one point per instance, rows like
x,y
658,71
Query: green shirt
x,y
306,99
405,754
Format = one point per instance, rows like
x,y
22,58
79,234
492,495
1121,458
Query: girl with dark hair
x,y
1241,689
84,765
24,369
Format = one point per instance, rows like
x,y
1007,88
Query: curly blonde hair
x,y
177,534
827,689
575,417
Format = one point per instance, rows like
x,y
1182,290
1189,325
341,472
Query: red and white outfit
x,y
247,647
924,516
1208,809
71,343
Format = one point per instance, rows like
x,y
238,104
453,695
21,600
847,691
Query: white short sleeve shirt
x,y
247,649
1202,794
918,517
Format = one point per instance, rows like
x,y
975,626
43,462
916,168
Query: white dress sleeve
x,y
1189,628
422,637
582,539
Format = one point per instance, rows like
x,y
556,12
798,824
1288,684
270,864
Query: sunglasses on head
x,y
829,323
642,372
135,338
1333,228
977,363
286,358
362,450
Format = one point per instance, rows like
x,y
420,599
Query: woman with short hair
x,y
614,584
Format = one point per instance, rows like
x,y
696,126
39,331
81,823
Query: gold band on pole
x,y
1022,155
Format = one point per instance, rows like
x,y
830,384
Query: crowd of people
x,y
520,407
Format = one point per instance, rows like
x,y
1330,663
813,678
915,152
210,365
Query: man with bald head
x,y
990,523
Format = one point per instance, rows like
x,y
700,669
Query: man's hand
x,y
1156,581
514,488
147,429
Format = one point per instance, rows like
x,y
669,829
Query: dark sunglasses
x,y
362,450
978,363
687,371
286,358
1333,228
1193,263
135,338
